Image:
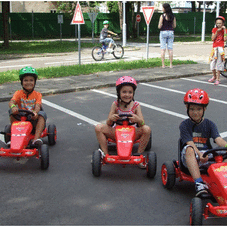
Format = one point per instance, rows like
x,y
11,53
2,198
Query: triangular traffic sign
x,y
78,16
148,13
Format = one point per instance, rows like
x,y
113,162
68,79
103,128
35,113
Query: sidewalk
x,y
105,79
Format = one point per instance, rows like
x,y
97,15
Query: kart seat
x,y
203,170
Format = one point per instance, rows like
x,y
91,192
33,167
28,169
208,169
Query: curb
x,y
84,88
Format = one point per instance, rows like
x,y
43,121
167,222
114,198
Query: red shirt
x,y
219,41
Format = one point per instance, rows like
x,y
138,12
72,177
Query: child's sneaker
x,y
211,80
216,82
102,153
37,143
200,188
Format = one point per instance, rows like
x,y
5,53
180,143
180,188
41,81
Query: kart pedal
x,y
206,196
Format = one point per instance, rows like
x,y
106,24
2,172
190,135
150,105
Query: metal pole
x,y
218,8
79,43
60,32
194,24
147,41
124,26
32,25
204,23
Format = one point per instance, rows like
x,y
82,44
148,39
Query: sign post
x,y
138,19
92,17
148,13
78,19
60,21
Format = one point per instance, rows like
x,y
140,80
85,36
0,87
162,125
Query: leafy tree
x,y
113,7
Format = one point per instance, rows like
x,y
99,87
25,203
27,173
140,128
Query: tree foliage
x,y
113,7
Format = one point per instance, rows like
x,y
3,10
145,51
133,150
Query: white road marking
x,y
148,106
203,82
14,66
70,112
180,92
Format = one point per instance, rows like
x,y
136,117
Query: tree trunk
x,y
5,17
121,14
193,6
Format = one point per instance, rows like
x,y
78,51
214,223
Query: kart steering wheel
x,y
120,121
27,113
215,153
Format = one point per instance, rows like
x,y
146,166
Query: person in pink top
x,y
125,104
217,58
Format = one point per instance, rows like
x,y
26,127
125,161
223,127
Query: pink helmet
x,y
126,80
220,18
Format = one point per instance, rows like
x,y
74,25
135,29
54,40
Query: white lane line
x,y
203,82
180,92
148,106
13,66
223,134
72,113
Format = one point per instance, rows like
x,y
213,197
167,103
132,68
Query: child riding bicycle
x,y
104,37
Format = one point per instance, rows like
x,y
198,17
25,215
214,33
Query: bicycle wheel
x,y
224,73
97,53
118,51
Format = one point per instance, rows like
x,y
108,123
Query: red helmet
x,y
220,18
196,96
126,80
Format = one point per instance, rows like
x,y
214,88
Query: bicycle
x,y
99,52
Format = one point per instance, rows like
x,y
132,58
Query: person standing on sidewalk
x,y
217,58
167,23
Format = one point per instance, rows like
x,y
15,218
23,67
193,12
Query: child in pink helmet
x,y
124,104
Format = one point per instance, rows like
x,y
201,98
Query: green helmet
x,y
28,71
105,22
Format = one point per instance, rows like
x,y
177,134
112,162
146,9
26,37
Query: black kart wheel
x,y
118,51
97,53
149,144
224,73
196,211
52,134
96,163
44,156
7,132
168,175
151,164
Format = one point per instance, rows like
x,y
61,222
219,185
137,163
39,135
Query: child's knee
x,y
190,152
99,128
146,130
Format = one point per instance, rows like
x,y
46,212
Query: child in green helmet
x,y
29,99
104,37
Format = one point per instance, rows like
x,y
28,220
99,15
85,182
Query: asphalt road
x,y
134,51
68,194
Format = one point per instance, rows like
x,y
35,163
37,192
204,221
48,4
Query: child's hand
x,y
134,118
15,110
114,117
202,159
35,116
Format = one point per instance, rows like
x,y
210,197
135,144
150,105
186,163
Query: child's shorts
x,y
34,122
183,159
166,39
217,63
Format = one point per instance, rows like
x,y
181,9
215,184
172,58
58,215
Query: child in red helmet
x,y
125,104
217,58
195,134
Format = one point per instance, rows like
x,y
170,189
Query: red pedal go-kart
x,y
215,176
125,139
20,134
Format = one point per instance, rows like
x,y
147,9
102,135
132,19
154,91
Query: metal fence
x,y
46,25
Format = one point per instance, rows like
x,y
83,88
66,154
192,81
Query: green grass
x,y
41,47
76,70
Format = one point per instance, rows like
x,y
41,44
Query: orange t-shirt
x,y
25,101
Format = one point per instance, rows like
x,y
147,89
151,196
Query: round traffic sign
x,y
138,18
